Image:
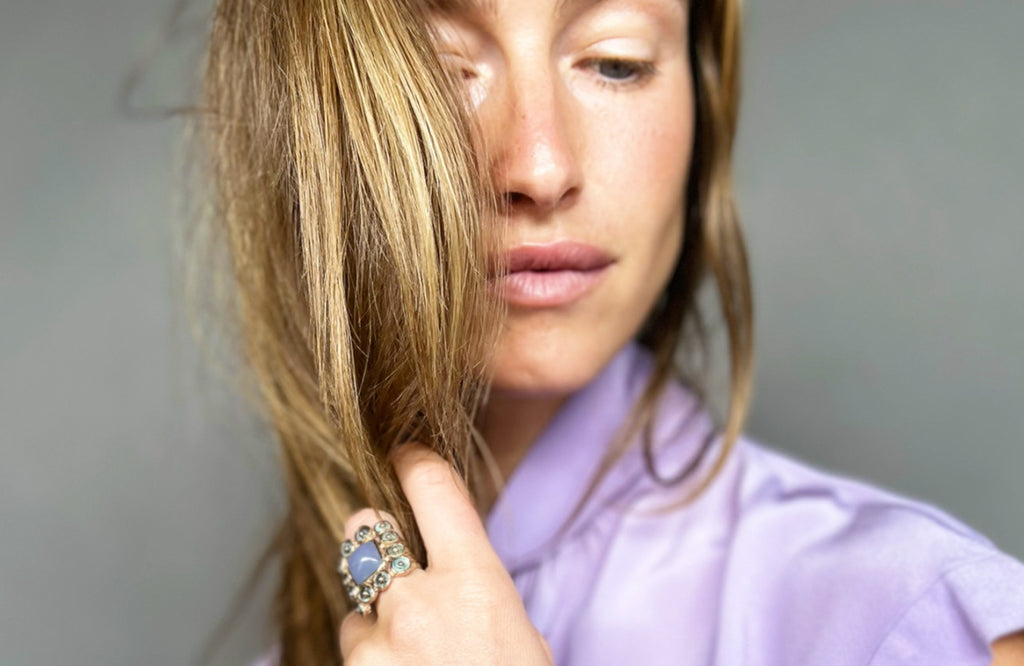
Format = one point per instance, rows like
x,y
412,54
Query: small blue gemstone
x,y
363,562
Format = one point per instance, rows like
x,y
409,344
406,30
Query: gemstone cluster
x,y
369,562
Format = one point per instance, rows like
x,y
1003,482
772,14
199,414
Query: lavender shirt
x,y
777,563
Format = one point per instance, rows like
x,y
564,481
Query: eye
x,y
460,66
471,75
617,71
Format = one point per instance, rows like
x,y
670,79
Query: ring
x,y
370,561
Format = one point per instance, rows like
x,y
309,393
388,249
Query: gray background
x,y
878,171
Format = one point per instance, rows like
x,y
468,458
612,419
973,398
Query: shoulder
x,y
916,582
846,521
815,563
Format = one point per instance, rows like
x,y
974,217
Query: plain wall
x,y
878,172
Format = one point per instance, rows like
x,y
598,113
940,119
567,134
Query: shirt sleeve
x,y
957,617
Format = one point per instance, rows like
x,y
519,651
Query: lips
x,y
551,275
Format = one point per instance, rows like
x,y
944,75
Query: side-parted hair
x,y
349,206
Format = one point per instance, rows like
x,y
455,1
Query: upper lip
x,y
559,256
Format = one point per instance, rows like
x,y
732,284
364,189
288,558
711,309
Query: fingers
x,y
448,520
355,629
370,518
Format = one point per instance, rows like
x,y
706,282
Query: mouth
x,y
552,275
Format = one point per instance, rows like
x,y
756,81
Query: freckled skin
x,y
588,155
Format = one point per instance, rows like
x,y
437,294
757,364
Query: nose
x,y
535,161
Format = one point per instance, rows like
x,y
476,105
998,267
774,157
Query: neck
x,y
510,424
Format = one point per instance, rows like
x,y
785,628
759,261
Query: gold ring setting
x,y
370,561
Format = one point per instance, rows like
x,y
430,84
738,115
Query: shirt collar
x,y
547,485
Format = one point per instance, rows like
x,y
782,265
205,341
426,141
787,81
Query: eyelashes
x,y
607,71
459,66
620,72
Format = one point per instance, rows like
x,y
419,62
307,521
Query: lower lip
x,y
547,289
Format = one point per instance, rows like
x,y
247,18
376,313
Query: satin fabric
x,y
776,562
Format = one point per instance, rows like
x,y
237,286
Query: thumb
x,y
445,513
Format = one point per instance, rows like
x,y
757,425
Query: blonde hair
x,y
349,200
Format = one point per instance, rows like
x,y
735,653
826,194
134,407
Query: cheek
x,y
645,162
639,172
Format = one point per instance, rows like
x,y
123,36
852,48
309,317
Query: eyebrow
x,y
488,7
563,5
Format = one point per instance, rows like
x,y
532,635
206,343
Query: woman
x,y
467,240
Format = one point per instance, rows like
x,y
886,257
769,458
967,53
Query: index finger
x,y
444,511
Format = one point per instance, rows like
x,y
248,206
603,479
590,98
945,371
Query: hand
x,y
462,608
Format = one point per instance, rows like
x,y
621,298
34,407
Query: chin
x,y
552,365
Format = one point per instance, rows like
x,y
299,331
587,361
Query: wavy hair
x,y
348,207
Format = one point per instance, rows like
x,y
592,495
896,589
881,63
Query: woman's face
x,y
587,112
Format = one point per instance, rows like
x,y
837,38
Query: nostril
x,y
514,201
